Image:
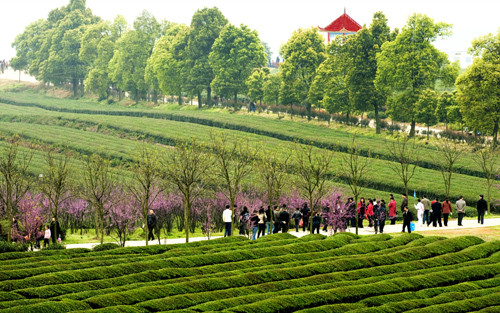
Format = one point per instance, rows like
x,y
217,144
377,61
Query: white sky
x,y
275,20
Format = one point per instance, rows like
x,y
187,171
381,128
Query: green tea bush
x,y
105,247
12,247
54,246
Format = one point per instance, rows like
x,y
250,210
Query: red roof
x,y
344,23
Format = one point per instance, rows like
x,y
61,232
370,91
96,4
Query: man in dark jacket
x,y
296,217
276,221
306,212
407,218
482,207
284,219
436,213
151,224
316,222
404,204
55,230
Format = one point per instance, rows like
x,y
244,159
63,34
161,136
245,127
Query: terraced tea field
x,y
277,273
86,127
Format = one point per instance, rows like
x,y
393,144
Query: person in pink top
x,y
392,210
369,213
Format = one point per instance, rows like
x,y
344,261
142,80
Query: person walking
x,y
404,204
436,213
369,213
151,220
254,223
427,206
276,221
296,216
324,215
420,212
351,211
262,222
316,222
446,209
284,219
380,215
46,237
482,207
393,211
407,218
227,219
460,207
54,229
269,220
306,213
361,212
244,219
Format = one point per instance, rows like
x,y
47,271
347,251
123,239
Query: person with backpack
x,y
254,223
316,222
297,216
262,222
379,216
244,218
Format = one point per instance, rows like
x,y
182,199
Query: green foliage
x,y
55,246
235,53
409,65
12,247
105,247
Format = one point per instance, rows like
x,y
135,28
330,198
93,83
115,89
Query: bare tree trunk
x,y
209,96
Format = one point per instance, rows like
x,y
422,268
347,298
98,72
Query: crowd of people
x,y
47,234
375,212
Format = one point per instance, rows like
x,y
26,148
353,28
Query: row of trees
x,y
192,182
73,45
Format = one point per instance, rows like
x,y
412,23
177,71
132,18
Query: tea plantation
x,y
277,273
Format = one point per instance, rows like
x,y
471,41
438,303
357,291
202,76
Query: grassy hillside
x,y
86,127
278,273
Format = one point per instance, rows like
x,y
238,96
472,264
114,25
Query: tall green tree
x,y
425,109
234,55
303,54
206,26
132,51
362,69
410,64
28,44
255,84
446,99
272,89
330,87
168,61
478,88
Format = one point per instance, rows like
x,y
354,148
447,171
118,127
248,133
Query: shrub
x,y
364,122
13,247
55,246
105,247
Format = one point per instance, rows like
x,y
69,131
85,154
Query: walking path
x,y
452,224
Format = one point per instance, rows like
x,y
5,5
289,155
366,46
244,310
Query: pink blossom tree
x,y
31,214
336,216
122,214
166,207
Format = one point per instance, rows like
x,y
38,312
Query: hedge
x,y
284,273
51,307
353,293
105,247
168,273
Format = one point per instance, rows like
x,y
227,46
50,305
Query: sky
x,y
275,20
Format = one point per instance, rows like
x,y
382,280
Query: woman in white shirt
x,y
46,237
420,212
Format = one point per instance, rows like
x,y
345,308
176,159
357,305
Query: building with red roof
x,y
343,25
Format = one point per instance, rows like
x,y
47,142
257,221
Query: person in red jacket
x,y
369,212
392,210
446,209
